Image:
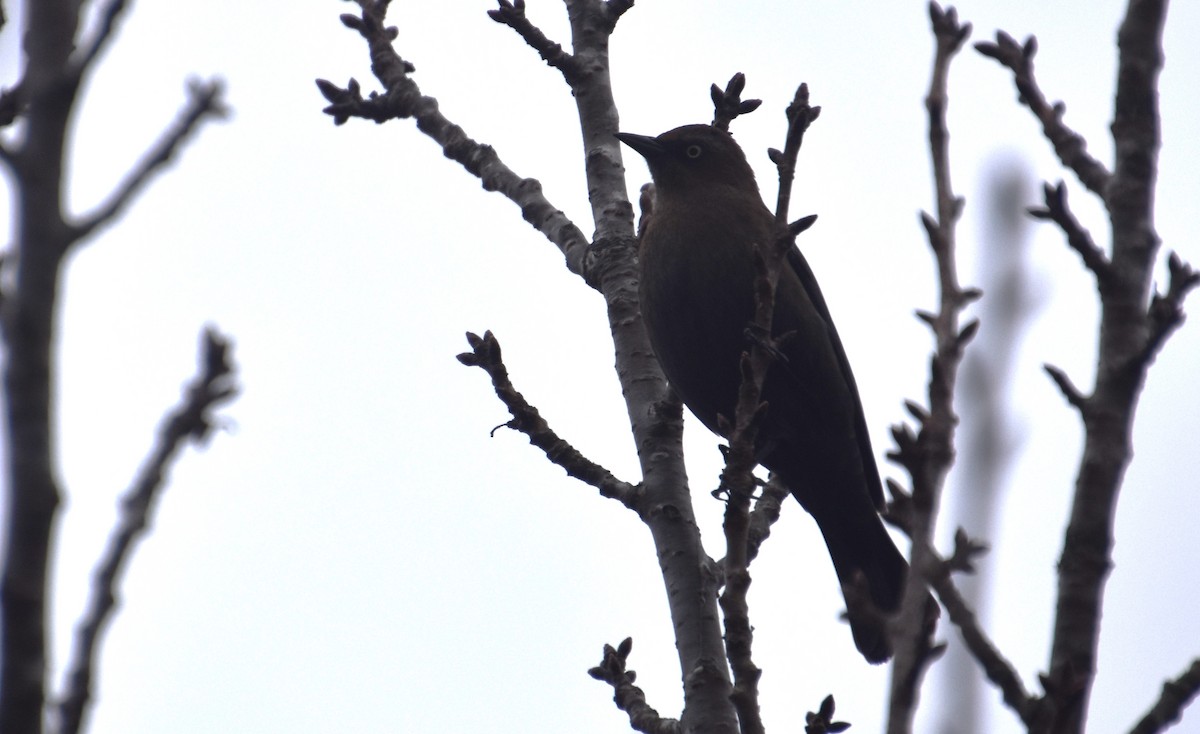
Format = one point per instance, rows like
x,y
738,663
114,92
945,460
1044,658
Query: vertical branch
x,y
45,97
654,413
27,318
929,455
989,440
191,420
1126,349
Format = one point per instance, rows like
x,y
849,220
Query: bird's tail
x,y
859,544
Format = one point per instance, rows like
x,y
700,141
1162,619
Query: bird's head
x,y
690,156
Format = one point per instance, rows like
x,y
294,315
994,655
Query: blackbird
x,y
697,278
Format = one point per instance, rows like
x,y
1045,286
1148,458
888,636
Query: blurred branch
x,y
204,101
928,455
190,421
1078,238
1068,144
485,354
106,25
1176,695
1166,309
403,99
821,721
996,667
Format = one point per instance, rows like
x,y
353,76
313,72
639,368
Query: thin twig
x,y
1166,309
628,697
1068,144
105,26
204,101
1077,399
800,114
485,354
737,480
728,103
821,721
403,99
512,14
996,667
928,454
192,420
1079,239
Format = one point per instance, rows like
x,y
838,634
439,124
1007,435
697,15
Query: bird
x,y
696,292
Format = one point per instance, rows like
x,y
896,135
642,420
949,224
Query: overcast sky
x,y
356,553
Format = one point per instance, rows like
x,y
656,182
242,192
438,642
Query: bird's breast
x,y
697,276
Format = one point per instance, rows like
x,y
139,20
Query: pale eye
x,y
694,151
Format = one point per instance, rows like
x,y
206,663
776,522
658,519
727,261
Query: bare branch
x,y
512,14
628,697
1166,309
1069,145
192,420
1176,695
821,721
800,114
205,101
485,354
106,25
737,480
765,513
1076,398
1127,341
998,669
928,455
728,103
1078,238
403,99
615,9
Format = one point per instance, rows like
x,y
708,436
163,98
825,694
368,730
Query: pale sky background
x,y
357,554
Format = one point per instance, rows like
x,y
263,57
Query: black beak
x,y
645,145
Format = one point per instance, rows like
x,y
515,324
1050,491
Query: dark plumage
x,y
697,276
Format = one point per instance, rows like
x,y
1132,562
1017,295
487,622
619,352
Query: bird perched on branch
x,y
697,300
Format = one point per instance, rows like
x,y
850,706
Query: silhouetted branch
x,y
728,104
403,99
1068,144
821,721
485,354
929,453
1078,238
995,666
1076,398
192,420
1130,336
1166,309
737,480
800,114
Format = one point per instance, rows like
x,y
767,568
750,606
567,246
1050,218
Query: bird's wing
x,y
809,281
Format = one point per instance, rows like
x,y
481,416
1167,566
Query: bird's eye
x,y
694,151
